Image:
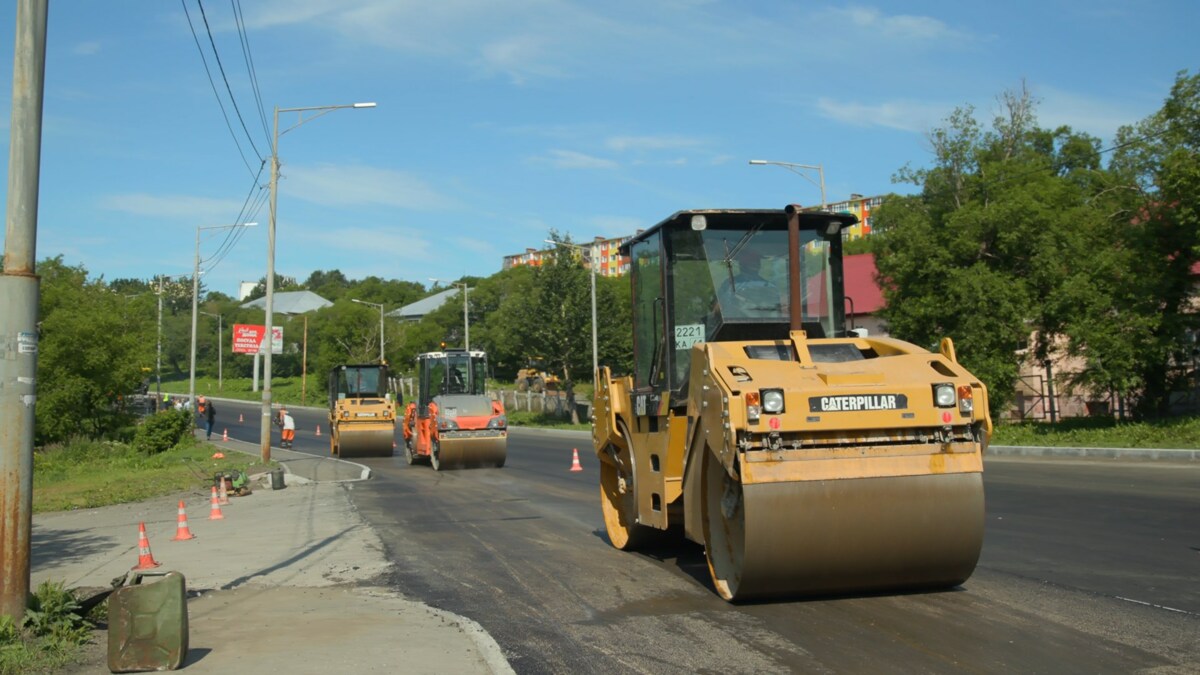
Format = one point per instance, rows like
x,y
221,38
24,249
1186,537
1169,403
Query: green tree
x,y
91,355
1139,326
981,254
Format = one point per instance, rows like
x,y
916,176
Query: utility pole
x,y
19,298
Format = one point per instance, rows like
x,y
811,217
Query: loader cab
x,y
450,372
358,382
720,276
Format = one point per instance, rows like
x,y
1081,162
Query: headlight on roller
x,y
943,395
772,401
498,422
447,424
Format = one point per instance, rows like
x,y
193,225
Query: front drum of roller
x,y
851,535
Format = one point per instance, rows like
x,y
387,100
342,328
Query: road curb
x,y
1167,454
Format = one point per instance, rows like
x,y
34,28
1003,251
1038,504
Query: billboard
x,y
248,338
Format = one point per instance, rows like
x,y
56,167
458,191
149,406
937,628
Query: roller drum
x,y
468,452
839,536
365,442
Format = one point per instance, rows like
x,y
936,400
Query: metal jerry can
x,y
148,624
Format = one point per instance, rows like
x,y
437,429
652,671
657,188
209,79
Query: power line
x,y
213,84
249,59
232,99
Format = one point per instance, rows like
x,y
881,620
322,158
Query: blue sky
x,y
497,121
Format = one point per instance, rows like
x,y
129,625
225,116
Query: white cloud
x,y
900,27
86,48
644,143
614,226
903,115
367,241
1057,107
569,159
342,185
182,207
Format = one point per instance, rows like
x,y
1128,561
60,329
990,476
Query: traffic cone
x,y
225,435
575,460
182,533
318,429
241,418
215,512
223,493
146,559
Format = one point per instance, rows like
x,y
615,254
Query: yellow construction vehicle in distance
x,y
534,377
362,413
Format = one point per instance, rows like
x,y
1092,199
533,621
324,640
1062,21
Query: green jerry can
x,y
148,623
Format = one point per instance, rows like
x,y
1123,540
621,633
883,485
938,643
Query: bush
x,y
162,431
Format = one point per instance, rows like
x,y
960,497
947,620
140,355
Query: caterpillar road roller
x,y
362,414
807,458
454,423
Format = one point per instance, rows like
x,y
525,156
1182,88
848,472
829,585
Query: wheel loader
x,y
533,377
362,414
454,423
805,457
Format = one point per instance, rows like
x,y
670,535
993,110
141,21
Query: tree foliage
x,y
92,350
1021,238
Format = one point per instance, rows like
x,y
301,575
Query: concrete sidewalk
x,y
287,581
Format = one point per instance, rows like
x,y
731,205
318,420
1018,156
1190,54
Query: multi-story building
x,y
607,253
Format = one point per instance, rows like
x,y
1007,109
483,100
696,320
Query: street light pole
x,y
196,306
466,320
592,265
379,306
795,168
220,367
265,430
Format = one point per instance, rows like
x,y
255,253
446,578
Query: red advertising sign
x,y
248,338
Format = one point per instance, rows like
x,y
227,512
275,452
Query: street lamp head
x,y
758,161
364,105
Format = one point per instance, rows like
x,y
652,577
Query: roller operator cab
x,y
454,423
805,458
362,414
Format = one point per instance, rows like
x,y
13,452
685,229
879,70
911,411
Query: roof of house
x,y
290,302
420,308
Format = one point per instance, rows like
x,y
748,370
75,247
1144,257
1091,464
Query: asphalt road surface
x,y
1087,566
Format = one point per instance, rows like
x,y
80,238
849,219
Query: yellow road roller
x,y
454,424
807,458
362,414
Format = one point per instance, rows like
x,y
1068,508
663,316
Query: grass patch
x,y
1178,432
84,474
286,390
525,418
51,635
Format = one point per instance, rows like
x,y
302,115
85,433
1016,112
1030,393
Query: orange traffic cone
x,y
215,512
182,533
223,493
318,429
575,460
146,559
225,435
241,418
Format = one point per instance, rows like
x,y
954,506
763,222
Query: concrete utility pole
x,y
269,307
19,298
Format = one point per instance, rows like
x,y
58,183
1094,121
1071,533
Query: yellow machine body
x,y
804,464
362,412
